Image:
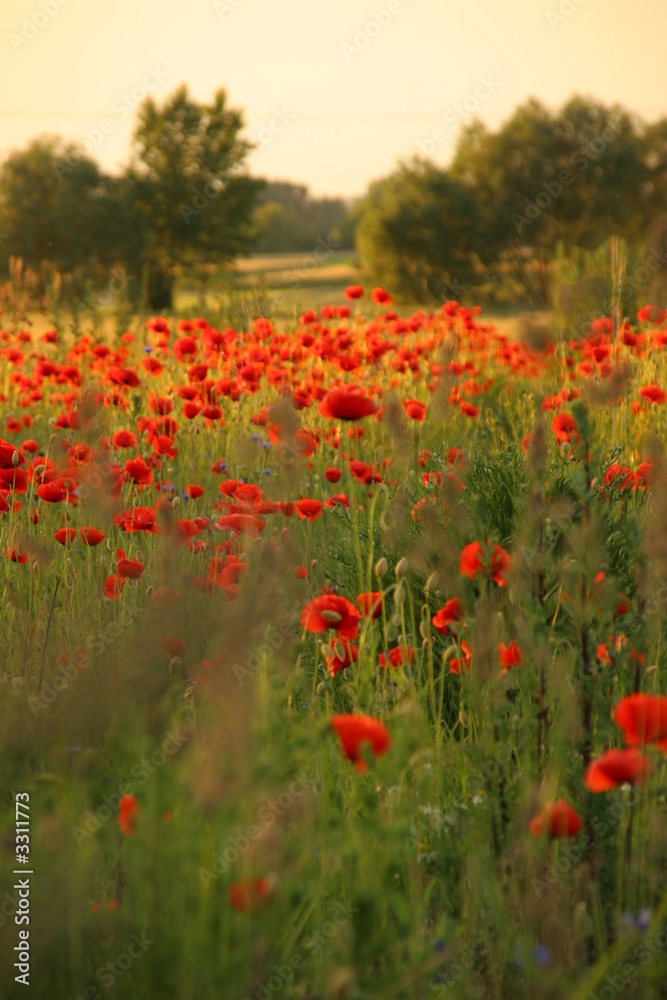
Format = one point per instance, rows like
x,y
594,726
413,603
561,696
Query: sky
x,y
334,92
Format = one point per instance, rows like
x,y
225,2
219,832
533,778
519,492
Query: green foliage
x,y
189,184
418,233
288,218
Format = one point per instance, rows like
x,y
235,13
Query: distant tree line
x,y
512,200
545,185
185,204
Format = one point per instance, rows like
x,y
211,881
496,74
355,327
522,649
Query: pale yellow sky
x,y
334,91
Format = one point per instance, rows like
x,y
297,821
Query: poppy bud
x,y
381,567
401,567
175,502
399,596
431,583
15,459
175,665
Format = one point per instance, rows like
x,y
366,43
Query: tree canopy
x,y
571,178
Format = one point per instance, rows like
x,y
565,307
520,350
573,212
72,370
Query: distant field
x,y
283,286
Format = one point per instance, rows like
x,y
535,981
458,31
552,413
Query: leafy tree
x,y
187,177
571,177
418,232
57,207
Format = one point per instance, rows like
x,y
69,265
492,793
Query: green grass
x,y
262,861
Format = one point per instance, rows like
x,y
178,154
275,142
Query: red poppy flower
x,y
17,556
354,292
344,403
565,429
338,500
129,569
128,810
113,586
509,656
300,572
414,409
345,654
332,475
123,376
475,560
643,719
468,409
465,662
137,519
308,510
334,612
617,767
371,603
381,297
651,314
242,523
124,439
173,645
354,731
7,452
248,894
653,394
557,819
57,491
451,612
194,491
139,472
92,536
398,656
65,535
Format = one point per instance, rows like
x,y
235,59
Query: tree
x,y
417,233
572,177
189,185
57,207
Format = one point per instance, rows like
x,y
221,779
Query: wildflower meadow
x,y
331,657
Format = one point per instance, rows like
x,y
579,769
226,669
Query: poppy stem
x,y
46,637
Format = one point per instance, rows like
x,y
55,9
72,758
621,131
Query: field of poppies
x,y
331,658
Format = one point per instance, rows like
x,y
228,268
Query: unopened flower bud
x,y
401,567
381,567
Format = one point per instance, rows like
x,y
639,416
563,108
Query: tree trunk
x,y
161,289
